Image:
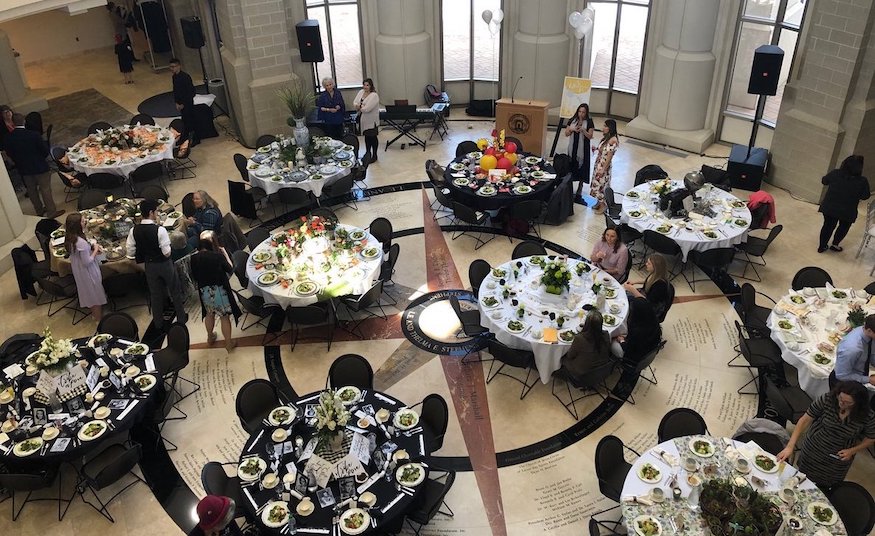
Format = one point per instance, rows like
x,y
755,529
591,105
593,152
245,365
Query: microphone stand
x,y
513,91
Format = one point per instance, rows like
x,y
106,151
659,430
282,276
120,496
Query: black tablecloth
x,y
468,196
385,490
144,402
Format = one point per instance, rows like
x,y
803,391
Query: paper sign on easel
x,y
71,380
320,468
348,466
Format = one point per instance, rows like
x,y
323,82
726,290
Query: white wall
x,y
54,33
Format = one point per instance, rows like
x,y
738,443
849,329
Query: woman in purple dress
x,y
86,270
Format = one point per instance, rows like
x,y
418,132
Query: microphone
x,y
513,91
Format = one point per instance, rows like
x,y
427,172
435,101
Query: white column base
x,y
695,141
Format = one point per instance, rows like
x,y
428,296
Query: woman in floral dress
x,y
601,178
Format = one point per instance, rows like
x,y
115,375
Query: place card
x,y
117,403
13,371
292,469
308,450
360,448
60,444
150,363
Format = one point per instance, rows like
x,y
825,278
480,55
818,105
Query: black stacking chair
x,y
768,442
611,469
154,191
216,481
625,276
714,261
855,507
434,418
381,229
466,147
387,270
295,198
121,325
467,216
182,161
173,358
255,400
255,306
760,352
256,237
143,119
444,201
628,235
105,182
431,498
470,319
477,272
187,204
660,243
756,247
528,248
811,276
242,202
531,211
514,358
638,367
264,140
350,369
99,125
105,469
153,171
613,208
663,309
62,291
790,402
318,314
90,199
341,190
351,139
753,316
364,303
591,383
680,422
16,482
359,176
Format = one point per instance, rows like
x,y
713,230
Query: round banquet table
x,y
466,189
88,156
127,407
729,225
392,499
268,172
525,288
814,327
350,273
679,513
110,226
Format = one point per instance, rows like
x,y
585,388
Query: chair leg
x,y
654,381
753,379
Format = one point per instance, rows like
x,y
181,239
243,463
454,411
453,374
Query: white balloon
x,y
575,18
586,27
498,16
578,33
494,27
588,12
487,16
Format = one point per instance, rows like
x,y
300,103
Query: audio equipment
x,y
192,32
747,167
309,41
766,70
513,91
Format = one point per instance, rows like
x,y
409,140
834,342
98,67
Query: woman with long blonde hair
x,y
655,286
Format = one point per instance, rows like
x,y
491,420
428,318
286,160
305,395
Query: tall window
x,y
762,22
618,43
341,40
470,51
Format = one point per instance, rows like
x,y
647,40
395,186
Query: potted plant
x,y
299,101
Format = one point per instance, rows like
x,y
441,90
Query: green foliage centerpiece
x,y
856,315
556,277
730,509
331,418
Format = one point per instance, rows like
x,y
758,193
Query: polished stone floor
x,y
532,463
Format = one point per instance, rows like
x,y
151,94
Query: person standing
x,y
149,243
845,188
29,151
367,102
601,178
210,269
332,109
183,95
854,354
86,270
579,131
125,54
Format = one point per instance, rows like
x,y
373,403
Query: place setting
x,y
121,150
285,164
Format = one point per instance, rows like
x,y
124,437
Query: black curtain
x,y
156,26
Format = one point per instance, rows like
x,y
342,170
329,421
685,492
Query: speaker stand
x,y
200,53
758,114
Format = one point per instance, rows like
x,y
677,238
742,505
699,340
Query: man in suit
x,y
183,95
149,243
29,152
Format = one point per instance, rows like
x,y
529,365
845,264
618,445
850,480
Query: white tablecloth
x,y
286,297
535,299
824,323
678,450
689,235
271,177
125,168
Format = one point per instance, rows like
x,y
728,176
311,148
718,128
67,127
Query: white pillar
x,y
679,80
403,49
13,90
540,50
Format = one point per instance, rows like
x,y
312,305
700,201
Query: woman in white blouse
x,y
367,102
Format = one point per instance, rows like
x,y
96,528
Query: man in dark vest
x,y
183,95
149,243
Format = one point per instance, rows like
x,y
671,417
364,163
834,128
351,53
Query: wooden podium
x,y
525,120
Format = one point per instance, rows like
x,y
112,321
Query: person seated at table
x,y
179,246
216,517
854,354
643,335
837,426
210,268
65,168
207,216
590,349
655,286
610,253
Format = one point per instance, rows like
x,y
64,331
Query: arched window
x,y
341,40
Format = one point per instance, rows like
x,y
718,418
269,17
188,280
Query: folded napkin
x,y
457,175
639,500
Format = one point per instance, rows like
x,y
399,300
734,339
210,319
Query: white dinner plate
x,y
411,467
356,513
92,430
250,477
400,414
278,508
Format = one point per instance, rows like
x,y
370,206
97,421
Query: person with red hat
x,y
216,517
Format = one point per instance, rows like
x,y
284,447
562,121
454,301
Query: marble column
x,y
827,112
13,90
13,222
404,51
679,78
538,50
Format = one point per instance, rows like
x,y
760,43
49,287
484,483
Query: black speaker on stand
x,y
310,45
193,35
747,165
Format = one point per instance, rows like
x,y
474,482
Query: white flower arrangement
x,y
331,416
53,353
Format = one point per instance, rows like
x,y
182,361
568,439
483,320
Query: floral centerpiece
x,y
498,153
556,277
53,354
856,315
729,509
331,418
661,187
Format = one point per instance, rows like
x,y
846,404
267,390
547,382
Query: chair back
x,y
625,275
561,164
241,201
34,122
716,258
49,134
264,139
527,248
309,314
680,422
122,464
256,237
443,198
104,181
510,356
57,152
388,267
154,191
662,312
240,162
294,196
811,276
99,125
254,401
758,246
594,377
325,213
119,324
610,223
466,147
187,203
660,243
216,481
477,272
855,506
528,210
650,172
611,200
27,481
768,442
351,369
54,289
341,186
351,139
457,308
435,416
789,407
90,199
43,230
870,288
240,258
179,127
178,340
648,358
371,296
519,144
609,465
316,132
143,119
381,229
